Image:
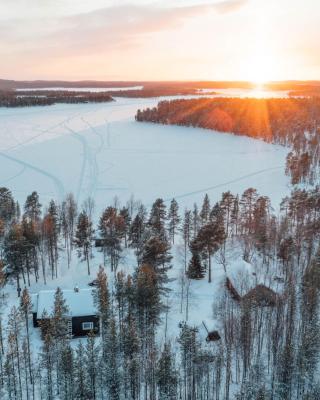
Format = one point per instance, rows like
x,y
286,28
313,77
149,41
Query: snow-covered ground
x,y
99,150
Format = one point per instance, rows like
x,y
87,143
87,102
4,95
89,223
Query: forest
x,y
292,122
49,97
267,345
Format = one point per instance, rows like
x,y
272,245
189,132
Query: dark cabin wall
x,y
35,320
77,325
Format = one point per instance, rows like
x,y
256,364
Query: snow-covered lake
x,y
99,150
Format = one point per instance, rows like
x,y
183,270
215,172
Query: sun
x,y
261,69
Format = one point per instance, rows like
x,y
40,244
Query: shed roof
x,y
79,302
34,302
261,295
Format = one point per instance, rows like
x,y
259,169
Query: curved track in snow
x,y
207,189
57,182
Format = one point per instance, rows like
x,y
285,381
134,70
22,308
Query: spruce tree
x,y
195,268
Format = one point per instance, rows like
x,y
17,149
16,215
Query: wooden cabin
x,y
82,317
232,290
261,296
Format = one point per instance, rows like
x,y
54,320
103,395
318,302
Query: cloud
x,y
229,6
111,27
108,30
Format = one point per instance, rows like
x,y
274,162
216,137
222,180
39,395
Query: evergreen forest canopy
x,y
269,352
50,97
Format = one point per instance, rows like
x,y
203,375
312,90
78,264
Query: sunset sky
x,y
254,40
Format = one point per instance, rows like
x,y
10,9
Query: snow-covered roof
x,y
34,302
79,302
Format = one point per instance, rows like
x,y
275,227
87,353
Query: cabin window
x,y
87,326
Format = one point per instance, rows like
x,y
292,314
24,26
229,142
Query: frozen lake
x,y
99,150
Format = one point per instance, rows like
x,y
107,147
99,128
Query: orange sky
x,y
253,40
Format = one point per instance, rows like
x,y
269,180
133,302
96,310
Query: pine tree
x,y
188,348
80,374
91,357
156,253
147,298
157,219
112,367
60,316
102,302
7,206
31,236
84,237
174,219
25,308
195,220
234,219
68,221
167,375
112,229
247,204
125,214
131,366
66,373
14,252
137,228
32,207
205,210
50,235
227,204
47,357
210,237
14,335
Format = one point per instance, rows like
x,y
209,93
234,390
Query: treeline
x,y
157,91
293,122
263,352
47,98
309,92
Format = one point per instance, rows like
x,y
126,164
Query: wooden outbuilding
x,y
81,315
261,296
